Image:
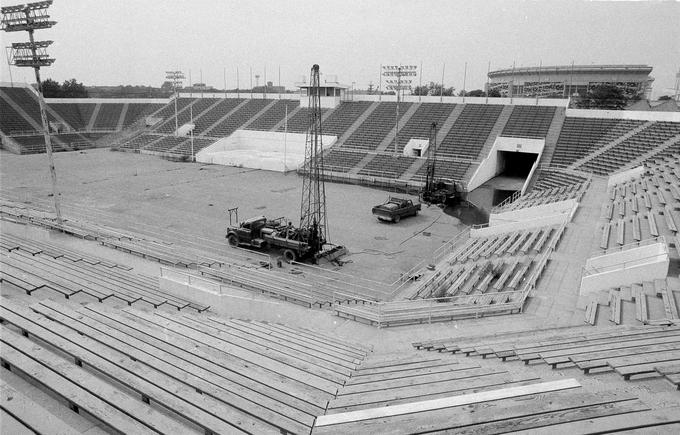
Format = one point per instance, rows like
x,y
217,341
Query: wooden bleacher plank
x,y
620,231
213,365
628,366
243,331
313,367
10,425
30,414
533,351
184,401
615,307
604,240
653,230
599,359
394,374
509,269
517,278
657,420
75,394
591,312
636,228
670,221
445,388
670,307
205,375
429,405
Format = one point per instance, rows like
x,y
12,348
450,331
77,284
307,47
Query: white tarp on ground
x,y
260,150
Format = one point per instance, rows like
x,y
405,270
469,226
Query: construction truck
x,y
265,234
438,190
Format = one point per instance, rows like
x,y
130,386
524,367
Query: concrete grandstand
x,y
135,316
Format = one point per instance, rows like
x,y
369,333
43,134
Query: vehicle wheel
x,y
289,255
397,219
233,240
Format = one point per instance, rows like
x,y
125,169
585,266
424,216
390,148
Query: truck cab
x,y
249,232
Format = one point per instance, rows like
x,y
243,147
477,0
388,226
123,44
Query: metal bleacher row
x,y
171,373
545,196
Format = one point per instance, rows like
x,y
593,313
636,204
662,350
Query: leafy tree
x,y
73,89
51,89
603,97
475,93
494,93
434,89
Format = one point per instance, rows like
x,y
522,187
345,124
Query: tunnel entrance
x,y
515,164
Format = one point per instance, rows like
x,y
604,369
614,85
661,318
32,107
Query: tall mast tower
x,y
313,222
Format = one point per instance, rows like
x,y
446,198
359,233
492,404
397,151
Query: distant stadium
x,y
541,297
563,81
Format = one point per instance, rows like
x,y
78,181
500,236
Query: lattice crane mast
x,y
313,221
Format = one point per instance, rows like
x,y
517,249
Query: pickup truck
x,y
395,209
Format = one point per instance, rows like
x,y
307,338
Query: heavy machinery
x,y
438,190
310,239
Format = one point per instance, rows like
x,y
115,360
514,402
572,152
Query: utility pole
x,y
31,17
398,85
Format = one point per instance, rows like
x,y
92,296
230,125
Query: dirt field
x,y
132,191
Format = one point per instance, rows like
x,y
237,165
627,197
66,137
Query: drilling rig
x,y
438,190
310,239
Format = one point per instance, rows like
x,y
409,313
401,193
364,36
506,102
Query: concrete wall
x,y
645,263
260,150
108,100
530,213
624,176
555,219
624,114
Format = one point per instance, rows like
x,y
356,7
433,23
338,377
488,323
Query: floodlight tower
x,y
400,84
175,78
313,220
33,54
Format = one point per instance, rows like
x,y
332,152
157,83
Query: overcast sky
x,y
107,42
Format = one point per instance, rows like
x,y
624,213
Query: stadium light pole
x,y
398,71
176,78
30,17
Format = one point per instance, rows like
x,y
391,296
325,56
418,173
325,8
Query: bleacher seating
x,y
27,101
343,117
108,116
138,142
169,110
387,166
470,131
232,123
645,350
633,147
418,126
549,179
338,160
299,122
273,116
529,122
376,127
175,374
581,136
199,143
198,105
137,111
210,117
166,144
445,168
544,195
12,122
71,113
